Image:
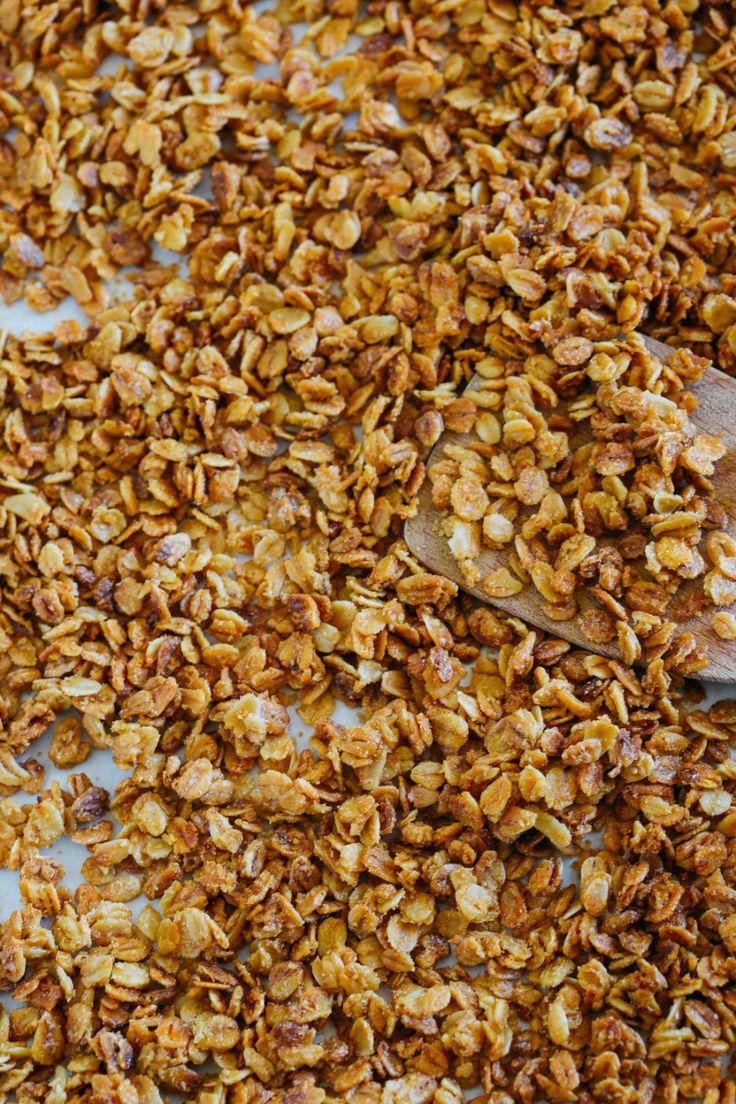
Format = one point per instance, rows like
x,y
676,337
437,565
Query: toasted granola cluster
x,y
604,492
201,508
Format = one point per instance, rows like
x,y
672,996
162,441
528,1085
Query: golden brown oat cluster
x,y
201,505
602,487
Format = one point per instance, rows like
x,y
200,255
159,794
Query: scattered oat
x,y
201,510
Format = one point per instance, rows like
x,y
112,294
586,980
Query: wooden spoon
x,y
715,414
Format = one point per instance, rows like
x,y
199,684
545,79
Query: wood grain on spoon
x,y
715,414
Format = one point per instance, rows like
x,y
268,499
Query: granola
x,y
599,483
201,506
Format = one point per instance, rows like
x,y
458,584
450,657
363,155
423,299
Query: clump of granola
x,y
201,507
585,472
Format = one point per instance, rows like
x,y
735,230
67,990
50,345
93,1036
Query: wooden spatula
x,y
715,414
